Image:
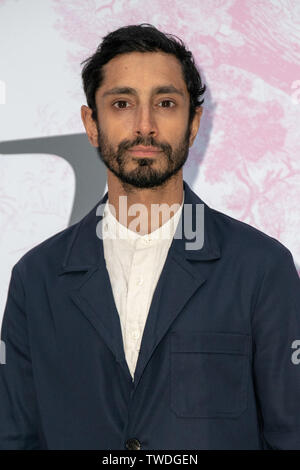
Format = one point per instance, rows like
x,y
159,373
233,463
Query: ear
x,y
90,125
195,124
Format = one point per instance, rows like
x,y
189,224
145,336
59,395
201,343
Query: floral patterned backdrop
x,y
246,158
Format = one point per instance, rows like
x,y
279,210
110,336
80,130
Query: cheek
x,y
117,127
110,133
171,123
173,131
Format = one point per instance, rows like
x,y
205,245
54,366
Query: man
x,y
180,331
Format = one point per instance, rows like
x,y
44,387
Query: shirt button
x,y
139,281
132,444
135,334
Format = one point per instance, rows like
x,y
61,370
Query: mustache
x,y
126,144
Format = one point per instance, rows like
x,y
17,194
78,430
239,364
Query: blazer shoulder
x,y
52,249
246,239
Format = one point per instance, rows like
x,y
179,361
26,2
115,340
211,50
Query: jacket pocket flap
x,y
193,341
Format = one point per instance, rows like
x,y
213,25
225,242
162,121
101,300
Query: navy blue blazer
x,y
218,366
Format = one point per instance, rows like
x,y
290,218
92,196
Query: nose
x,y
145,123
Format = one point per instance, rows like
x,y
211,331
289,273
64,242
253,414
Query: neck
x,y
149,216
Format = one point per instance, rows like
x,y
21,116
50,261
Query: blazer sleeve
x,y
19,420
276,352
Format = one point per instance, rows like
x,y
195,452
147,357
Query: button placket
x,y
132,304
135,334
136,303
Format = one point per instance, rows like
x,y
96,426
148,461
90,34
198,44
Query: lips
x,y
144,150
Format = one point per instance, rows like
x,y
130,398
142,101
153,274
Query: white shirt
x,y
134,263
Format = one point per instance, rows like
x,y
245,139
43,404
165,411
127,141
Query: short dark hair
x,y
140,38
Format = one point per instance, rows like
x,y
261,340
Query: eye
x,y
121,101
167,101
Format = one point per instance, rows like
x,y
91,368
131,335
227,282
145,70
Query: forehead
x,y
142,69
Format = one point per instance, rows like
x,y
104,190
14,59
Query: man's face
x,y
143,101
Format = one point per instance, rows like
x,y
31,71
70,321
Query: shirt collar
x,y
113,229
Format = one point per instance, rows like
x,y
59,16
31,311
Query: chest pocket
x,y
208,374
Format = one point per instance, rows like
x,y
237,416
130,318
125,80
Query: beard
x,y
143,175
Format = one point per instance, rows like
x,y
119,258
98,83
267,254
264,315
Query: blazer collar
x,y
85,248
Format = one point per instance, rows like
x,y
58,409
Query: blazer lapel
x,y
92,292
182,275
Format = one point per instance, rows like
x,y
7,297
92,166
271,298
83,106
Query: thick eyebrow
x,y
159,90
